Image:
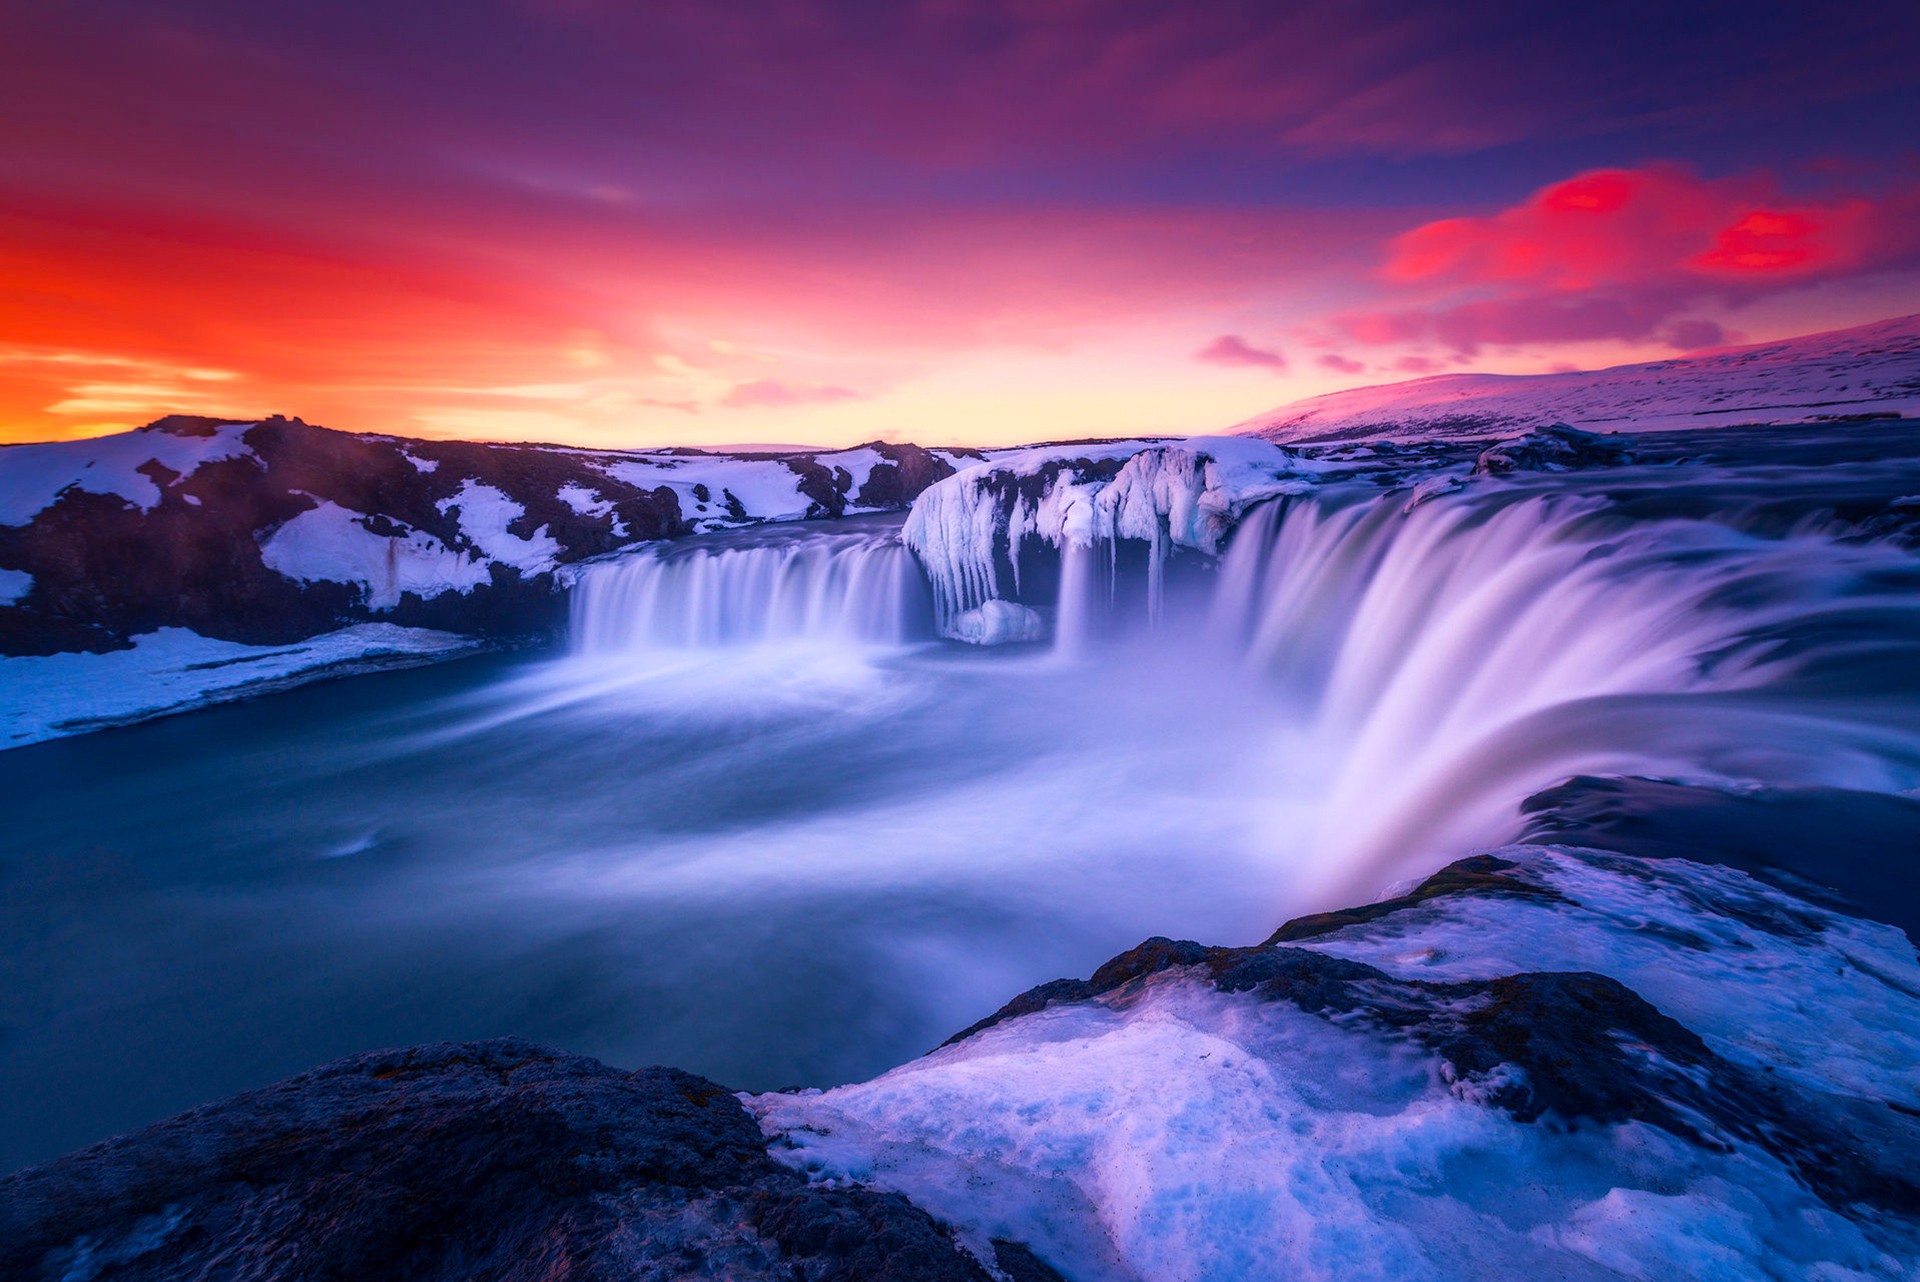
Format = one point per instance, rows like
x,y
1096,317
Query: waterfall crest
x,y
851,585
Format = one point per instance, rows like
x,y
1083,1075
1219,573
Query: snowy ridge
x,y
335,543
1868,370
1432,1093
721,491
133,466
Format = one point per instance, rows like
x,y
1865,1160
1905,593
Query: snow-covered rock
x,y
332,544
998,623
1556,448
132,466
1868,371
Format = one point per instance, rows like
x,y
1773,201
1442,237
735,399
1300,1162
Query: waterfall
x,y
852,584
1450,659
1436,657
1445,652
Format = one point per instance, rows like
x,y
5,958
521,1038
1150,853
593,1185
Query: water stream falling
x,y
1452,659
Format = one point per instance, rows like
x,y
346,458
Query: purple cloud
x,y
1231,349
771,393
1695,334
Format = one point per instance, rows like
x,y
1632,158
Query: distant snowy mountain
x,y
1871,370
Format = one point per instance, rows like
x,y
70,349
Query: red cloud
x,y
771,393
1626,225
1341,364
1231,349
1620,253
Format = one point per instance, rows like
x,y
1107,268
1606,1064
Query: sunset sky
x,y
949,221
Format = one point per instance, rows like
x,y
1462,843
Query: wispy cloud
x,y
771,393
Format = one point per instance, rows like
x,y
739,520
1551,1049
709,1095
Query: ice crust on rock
x,y
1182,1124
1764,977
969,529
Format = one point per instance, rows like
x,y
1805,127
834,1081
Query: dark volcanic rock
x,y
475,1160
907,471
1558,448
1477,875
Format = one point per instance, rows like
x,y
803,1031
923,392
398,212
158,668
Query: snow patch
x,y
766,488
333,544
584,501
485,513
857,463
14,586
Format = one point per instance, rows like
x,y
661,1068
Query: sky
x,y
946,221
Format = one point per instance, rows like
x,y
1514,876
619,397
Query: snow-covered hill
x,y
225,554
1868,370
272,532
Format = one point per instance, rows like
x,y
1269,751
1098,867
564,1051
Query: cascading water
x,y
1439,660
1452,659
1445,658
853,584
